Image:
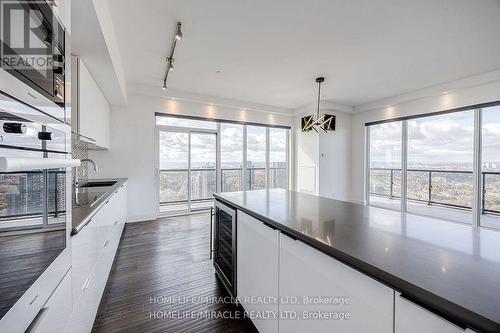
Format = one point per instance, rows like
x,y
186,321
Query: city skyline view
x,y
440,160
187,160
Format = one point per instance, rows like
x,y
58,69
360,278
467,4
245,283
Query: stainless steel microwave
x,y
33,50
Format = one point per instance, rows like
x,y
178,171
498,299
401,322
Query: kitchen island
x,y
400,272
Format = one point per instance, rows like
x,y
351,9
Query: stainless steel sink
x,y
102,183
86,199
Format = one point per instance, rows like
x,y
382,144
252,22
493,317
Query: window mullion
x,y
267,157
367,165
476,169
404,165
244,167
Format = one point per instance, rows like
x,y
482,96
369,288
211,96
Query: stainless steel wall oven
x,y
35,186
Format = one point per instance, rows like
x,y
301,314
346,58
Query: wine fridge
x,y
225,246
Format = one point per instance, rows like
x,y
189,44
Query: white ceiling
x,y
270,51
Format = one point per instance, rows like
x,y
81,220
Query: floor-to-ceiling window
x,y
385,164
255,177
490,167
440,165
198,157
278,158
231,153
174,169
449,161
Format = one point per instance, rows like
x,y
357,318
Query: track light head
x,y
164,87
178,32
170,66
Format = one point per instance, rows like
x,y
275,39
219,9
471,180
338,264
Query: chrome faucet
x,y
96,169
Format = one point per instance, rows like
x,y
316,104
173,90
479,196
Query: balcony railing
x,y
231,179
449,188
174,185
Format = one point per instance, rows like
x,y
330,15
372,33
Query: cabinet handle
x,y
86,284
106,202
116,222
211,230
36,321
432,311
34,299
31,95
106,243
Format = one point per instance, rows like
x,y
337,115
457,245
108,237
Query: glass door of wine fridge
x,y
225,246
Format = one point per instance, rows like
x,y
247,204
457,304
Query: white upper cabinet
x,y
91,110
257,271
313,287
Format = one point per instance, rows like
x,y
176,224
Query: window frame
x,y
218,132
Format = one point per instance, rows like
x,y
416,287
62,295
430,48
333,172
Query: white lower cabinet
x,y
84,255
94,249
411,318
55,313
257,272
307,276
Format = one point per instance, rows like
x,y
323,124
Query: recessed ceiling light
x,y
445,92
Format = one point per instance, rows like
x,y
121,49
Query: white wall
x,y
323,160
335,159
132,152
482,93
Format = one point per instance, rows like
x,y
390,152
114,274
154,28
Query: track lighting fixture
x,y
170,60
178,33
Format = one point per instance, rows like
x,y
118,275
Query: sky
x,y
443,139
174,145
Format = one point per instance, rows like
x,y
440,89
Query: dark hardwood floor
x,y
162,268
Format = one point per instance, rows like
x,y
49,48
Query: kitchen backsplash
x,y
80,151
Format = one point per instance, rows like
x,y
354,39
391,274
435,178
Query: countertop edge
x,y
450,311
98,205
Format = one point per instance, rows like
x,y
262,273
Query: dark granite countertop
x,y
81,215
450,268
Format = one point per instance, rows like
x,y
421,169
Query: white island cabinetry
x,y
257,271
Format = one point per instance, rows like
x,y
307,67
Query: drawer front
x,y
56,311
84,257
354,301
85,311
104,219
22,314
411,318
257,270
